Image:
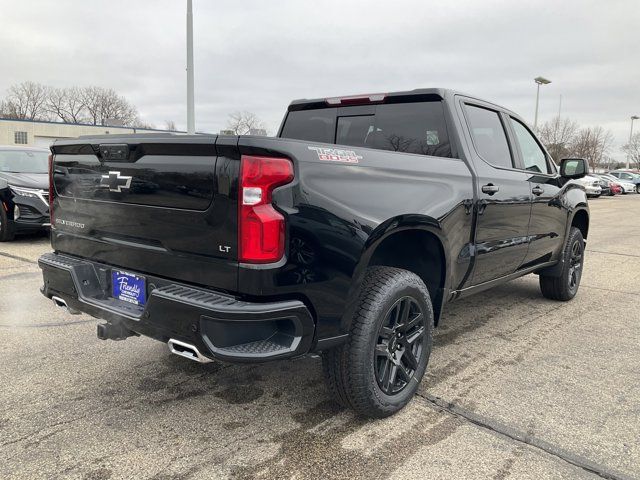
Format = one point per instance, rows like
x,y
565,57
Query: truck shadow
x,y
285,404
278,416
297,378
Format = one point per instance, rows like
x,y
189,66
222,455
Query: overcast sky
x,y
259,55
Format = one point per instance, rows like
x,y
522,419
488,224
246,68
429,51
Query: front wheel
x,y
379,369
565,286
638,188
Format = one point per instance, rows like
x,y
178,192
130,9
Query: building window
x,y
20,138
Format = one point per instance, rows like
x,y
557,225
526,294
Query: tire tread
x,y
346,374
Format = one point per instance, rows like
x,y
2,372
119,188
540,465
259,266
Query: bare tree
x,y
241,123
104,104
96,105
66,104
92,102
592,143
557,135
26,101
632,149
114,106
170,125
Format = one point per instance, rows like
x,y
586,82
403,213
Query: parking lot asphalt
x,y
518,387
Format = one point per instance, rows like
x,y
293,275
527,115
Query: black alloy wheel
x,y
575,264
399,345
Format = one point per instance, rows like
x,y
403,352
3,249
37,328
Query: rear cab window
x,y
318,125
410,127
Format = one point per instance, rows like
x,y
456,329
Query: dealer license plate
x,y
128,287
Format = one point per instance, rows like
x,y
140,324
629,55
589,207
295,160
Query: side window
x,y
413,128
533,156
489,136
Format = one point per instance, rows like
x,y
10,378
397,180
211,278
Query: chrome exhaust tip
x,y
187,350
62,303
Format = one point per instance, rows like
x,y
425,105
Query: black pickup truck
x,y
347,234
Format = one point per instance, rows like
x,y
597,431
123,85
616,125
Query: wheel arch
x,y
414,243
580,220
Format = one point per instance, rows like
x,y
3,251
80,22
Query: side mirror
x,y
573,167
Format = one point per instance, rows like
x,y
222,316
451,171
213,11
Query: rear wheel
x,y
378,370
565,286
6,233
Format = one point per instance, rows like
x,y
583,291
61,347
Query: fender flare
x,y
386,229
579,207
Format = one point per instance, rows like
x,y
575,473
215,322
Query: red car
x,y
615,189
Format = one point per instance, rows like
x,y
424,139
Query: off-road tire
x,y
565,286
350,369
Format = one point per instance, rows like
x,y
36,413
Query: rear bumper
x,y
220,326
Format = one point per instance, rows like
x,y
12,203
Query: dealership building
x,y
36,133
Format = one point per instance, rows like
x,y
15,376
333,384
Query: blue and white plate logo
x,y
128,287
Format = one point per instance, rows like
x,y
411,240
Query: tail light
x,y
52,189
261,227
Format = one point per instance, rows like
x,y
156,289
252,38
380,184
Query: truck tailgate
x,y
160,204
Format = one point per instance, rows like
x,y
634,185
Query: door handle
x,y
537,190
490,189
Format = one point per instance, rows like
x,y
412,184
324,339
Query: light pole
x,y
539,81
633,117
191,118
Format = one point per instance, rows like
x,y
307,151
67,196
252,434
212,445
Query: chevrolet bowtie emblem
x,y
115,182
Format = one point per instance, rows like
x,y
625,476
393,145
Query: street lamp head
x,y
635,117
541,80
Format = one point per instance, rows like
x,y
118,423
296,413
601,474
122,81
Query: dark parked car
x,y
24,190
347,235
